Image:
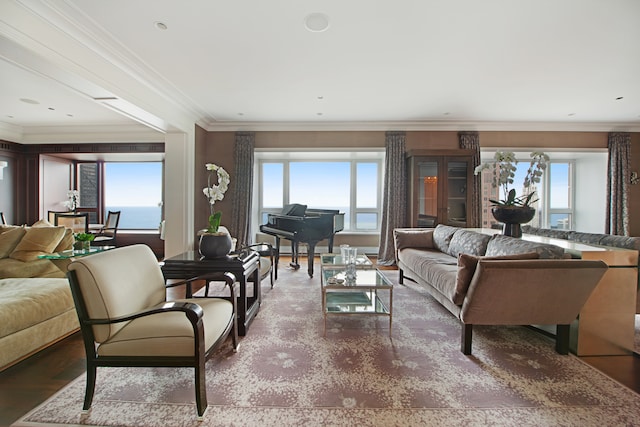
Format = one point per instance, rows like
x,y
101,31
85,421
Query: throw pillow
x,y
500,245
442,235
42,223
67,241
38,241
9,239
414,238
468,242
467,267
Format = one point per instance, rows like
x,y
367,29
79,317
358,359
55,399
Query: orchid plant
x,y
215,192
504,170
73,201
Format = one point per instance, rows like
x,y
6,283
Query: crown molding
x,y
237,126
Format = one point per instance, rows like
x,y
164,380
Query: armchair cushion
x,y
168,334
9,239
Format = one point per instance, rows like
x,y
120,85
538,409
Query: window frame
x,y
352,156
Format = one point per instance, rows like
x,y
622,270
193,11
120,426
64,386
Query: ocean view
x,y
138,217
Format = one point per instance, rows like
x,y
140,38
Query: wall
x,y
55,181
217,147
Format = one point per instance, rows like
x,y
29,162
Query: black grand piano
x,y
301,225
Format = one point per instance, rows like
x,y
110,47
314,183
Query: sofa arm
x,y
524,292
413,238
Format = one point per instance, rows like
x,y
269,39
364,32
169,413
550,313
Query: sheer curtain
x,y
618,173
394,202
471,141
243,181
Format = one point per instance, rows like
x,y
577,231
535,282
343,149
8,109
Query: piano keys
x,y
301,225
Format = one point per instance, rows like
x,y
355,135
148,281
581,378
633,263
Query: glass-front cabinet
x,y
439,181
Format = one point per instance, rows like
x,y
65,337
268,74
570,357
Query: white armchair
x,y
120,299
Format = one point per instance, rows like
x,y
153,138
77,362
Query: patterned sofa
x,y
613,240
497,280
36,307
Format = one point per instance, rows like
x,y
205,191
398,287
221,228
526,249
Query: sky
x,y
133,184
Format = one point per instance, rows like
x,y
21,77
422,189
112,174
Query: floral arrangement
x,y
84,237
74,200
215,193
504,169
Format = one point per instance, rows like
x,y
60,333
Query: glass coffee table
x,y
356,296
336,259
75,253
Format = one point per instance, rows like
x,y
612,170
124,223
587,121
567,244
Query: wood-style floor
x,y
32,381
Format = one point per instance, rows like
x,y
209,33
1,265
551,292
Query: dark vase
x,y
512,217
215,245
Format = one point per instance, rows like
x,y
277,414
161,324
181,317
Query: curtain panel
x,y
243,183
394,201
618,173
471,141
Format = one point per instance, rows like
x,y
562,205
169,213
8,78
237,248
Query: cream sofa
x,y
36,307
497,280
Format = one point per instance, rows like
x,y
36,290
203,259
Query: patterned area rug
x,y
287,374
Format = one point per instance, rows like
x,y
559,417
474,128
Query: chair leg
x,y
467,336
201,390
401,279
562,339
90,387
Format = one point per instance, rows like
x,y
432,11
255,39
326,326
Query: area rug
x,y
286,373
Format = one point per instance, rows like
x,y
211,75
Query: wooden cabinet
x,y
439,184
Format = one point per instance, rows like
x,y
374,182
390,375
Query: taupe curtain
x,y
394,202
243,183
471,141
618,173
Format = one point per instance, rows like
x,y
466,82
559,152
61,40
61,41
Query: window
x,y
133,188
346,181
561,203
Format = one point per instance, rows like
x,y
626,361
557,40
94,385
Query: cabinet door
x,y
438,190
456,191
427,196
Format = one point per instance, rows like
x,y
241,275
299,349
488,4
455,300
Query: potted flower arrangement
x,y
83,241
73,201
514,210
213,243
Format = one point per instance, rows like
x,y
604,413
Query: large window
x,y
562,204
349,182
133,188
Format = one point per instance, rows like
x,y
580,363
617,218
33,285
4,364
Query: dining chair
x,y
126,321
78,222
51,215
107,234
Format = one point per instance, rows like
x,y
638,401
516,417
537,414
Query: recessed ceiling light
x,y
321,97
316,22
619,98
241,114
160,25
11,117
571,114
29,101
446,114
52,109
69,115
319,114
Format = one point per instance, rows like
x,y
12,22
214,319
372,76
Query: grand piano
x,y
301,225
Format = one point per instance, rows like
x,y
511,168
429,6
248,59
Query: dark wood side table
x,y
243,265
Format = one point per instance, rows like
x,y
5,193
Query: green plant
x,y
504,169
84,237
214,193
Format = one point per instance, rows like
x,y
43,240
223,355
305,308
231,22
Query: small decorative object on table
x,y
514,210
83,241
213,243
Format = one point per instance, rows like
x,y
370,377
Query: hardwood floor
x,y
32,381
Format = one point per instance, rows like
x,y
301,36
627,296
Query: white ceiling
x,y
492,64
